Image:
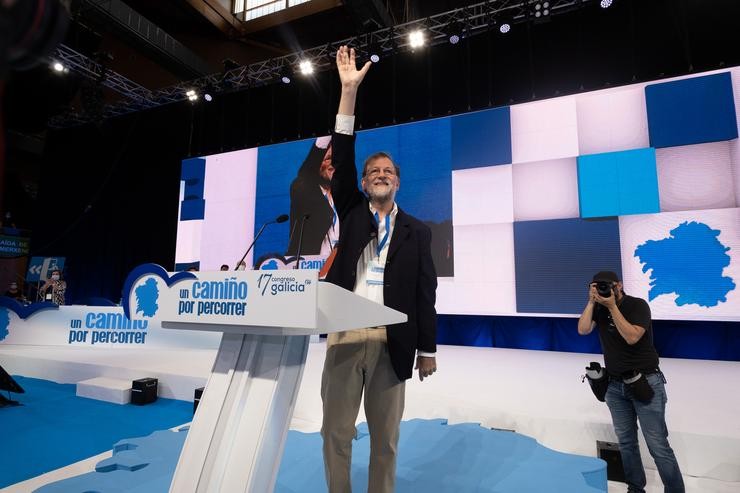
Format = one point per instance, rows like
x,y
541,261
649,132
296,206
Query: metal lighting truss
x,y
472,20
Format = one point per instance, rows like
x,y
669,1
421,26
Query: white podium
x,y
236,440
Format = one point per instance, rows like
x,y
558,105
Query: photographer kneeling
x,y
636,384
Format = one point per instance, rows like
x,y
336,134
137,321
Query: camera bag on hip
x,y
597,379
639,386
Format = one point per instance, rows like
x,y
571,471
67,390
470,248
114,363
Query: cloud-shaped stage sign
x,y
149,270
24,312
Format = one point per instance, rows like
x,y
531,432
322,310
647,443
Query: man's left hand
x,y
609,302
426,366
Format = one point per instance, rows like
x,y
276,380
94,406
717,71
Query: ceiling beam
x,y
141,32
287,15
218,15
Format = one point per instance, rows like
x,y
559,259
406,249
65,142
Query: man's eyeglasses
x,y
376,172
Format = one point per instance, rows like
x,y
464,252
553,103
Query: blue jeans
x,y
625,412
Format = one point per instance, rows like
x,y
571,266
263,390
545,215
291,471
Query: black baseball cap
x,y
606,275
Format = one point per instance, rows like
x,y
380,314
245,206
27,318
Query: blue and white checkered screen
x,y
525,202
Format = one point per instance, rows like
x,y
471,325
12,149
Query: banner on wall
x,y
13,246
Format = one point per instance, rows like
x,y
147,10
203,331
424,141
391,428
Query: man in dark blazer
x,y
384,255
310,195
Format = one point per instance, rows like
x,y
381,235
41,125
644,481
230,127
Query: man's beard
x,y
380,196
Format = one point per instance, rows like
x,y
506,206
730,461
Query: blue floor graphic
x,y
54,428
433,457
441,458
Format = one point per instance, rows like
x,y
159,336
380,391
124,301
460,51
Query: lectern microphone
x,y
280,219
300,241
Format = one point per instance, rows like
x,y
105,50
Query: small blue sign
x,y
40,267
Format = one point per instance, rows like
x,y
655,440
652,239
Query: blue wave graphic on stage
x,y
149,302
146,298
25,311
4,323
701,282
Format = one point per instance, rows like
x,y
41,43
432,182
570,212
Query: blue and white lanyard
x,y
334,210
383,241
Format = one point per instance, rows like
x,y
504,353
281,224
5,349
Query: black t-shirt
x,y
619,356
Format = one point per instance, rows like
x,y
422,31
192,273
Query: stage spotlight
x,y
454,33
374,51
504,28
306,67
285,75
58,67
541,9
192,95
605,4
208,92
416,39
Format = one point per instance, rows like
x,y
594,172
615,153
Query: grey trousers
x,y
357,361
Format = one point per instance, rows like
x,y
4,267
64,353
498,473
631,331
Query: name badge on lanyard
x,y
375,272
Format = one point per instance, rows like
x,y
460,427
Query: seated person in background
x,y
54,288
14,292
224,267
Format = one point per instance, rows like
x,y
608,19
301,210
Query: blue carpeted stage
x,y
433,455
54,428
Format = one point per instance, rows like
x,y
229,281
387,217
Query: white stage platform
x,y
536,393
106,389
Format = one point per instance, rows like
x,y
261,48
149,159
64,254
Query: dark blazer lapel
x,y
401,232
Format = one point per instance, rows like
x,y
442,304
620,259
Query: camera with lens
x,y
604,288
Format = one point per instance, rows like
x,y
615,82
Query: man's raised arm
x,y
350,77
344,183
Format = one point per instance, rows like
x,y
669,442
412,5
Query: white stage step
x,y
105,389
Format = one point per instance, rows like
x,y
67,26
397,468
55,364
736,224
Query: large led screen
x,y
525,202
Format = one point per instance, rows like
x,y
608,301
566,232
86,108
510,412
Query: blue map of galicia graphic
x,y
689,263
146,298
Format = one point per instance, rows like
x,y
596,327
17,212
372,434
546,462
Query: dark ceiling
x,y
199,26
586,49
641,38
